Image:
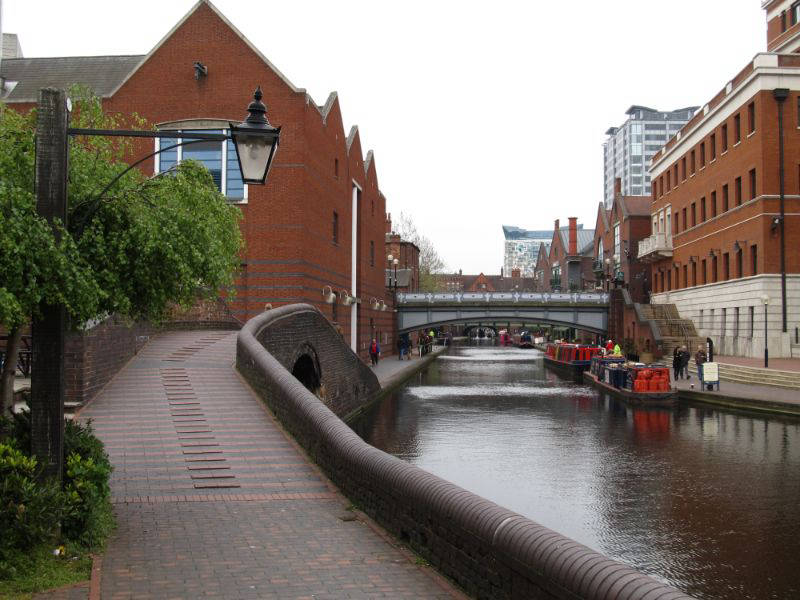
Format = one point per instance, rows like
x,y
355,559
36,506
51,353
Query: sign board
x,y
711,372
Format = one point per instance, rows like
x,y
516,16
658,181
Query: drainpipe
x,y
780,95
354,271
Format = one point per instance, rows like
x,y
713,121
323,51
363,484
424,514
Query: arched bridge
x,y
588,312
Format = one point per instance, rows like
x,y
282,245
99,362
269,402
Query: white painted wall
x,y
743,293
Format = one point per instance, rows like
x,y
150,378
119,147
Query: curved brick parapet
x,y
490,551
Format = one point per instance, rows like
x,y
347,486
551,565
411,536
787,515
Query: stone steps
x,y
755,375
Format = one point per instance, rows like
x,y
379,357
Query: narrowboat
x,y
570,360
505,338
525,340
635,382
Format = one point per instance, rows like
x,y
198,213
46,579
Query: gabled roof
x,y
103,74
635,206
585,238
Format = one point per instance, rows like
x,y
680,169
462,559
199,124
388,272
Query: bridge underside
x,y
586,318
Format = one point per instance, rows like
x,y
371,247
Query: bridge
x,y
585,311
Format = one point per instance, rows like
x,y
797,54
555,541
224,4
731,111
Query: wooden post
x,y
49,330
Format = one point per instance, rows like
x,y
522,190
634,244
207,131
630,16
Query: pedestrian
x,y
609,346
685,355
410,348
700,360
617,350
374,352
676,363
400,347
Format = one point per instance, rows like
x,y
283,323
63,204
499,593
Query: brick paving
x,y
744,392
213,500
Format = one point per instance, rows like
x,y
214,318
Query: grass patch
x,y
38,570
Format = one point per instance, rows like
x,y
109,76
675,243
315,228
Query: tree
x,y
430,262
134,250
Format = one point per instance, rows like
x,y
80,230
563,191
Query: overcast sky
x,y
481,114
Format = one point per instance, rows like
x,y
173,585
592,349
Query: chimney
x,y
573,236
516,273
556,224
388,222
617,187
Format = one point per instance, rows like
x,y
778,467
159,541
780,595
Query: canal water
x,y
704,499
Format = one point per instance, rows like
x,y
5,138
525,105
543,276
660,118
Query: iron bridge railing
x,y
502,297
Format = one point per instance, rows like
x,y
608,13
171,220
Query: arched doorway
x,y
305,371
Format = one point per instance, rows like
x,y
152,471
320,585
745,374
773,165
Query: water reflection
x,y
703,499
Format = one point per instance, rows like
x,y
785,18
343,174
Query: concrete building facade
x,y
630,147
521,248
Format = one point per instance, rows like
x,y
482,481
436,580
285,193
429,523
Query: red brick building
x,y
541,274
406,272
457,282
320,219
616,237
570,258
716,226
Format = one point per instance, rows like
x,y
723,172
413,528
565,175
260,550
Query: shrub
x,y
86,493
30,511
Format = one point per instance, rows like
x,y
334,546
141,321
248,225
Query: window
x,y
617,243
371,253
685,276
713,204
725,198
694,215
714,269
219,157
683,212
372,207
751,117
737,129
675,173
783,21
335,227
713,143
691,162
754,260
669,280
795,11
752,184
683,168
703,269
336,169
738,191
694,273
752,311
703,209
739,263
702,155
724,134
726,267
676,223
669,184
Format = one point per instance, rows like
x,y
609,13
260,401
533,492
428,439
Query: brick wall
x,y
94,356
295,330
488,550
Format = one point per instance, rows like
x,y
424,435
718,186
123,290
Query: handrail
x,y
510,297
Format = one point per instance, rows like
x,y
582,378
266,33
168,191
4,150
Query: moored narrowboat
x,y
570,360
635,382
525,340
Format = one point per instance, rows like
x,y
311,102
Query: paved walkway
x,y
213,500
779,364
391,370
742,395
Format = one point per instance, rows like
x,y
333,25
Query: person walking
x,y
374,352
700,360
400,347
676,363
685,356
410,347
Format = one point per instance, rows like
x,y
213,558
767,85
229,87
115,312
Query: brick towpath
x,y
212,500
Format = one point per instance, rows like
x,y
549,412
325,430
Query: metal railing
x,y
503,297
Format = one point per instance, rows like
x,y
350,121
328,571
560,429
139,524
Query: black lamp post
x,y
765,300
395,263
780,95
256,142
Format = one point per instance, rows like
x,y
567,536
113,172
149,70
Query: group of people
x,y
680,362
612,348
405,346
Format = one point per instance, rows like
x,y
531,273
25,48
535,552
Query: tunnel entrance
x,y
306,373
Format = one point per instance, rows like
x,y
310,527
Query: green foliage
x,y
38,569
29,510
134,250
33,512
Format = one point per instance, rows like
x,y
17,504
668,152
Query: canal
x,y
703,499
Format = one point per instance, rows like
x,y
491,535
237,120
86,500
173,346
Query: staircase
x,y
675,331
754,375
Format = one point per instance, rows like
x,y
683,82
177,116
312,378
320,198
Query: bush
x,y
30,511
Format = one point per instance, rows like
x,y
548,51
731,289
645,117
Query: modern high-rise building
x,y
522,248
629,148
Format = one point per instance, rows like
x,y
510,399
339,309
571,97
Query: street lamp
x,y
765,300
395,262
608,274
256,142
